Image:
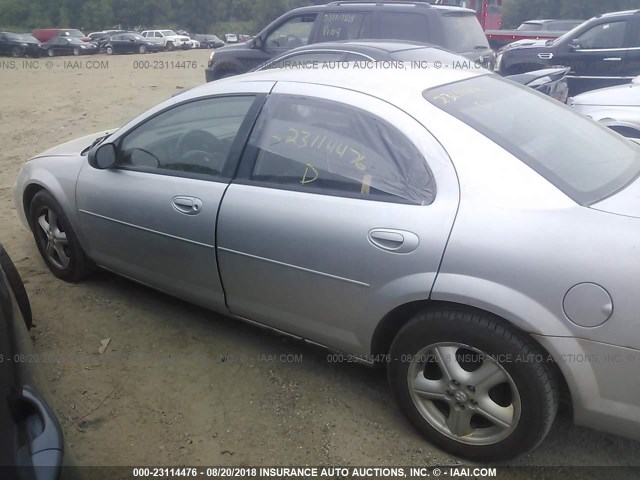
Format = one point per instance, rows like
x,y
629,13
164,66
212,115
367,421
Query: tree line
x,y
240,16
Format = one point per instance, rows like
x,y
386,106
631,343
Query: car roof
x,y
384,84
395,5
388,46
621,13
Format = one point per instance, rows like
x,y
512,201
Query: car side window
x,y
606,35
192,138
344,26
320,146
293,33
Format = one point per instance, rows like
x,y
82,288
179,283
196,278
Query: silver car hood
x,y
620,96
74,147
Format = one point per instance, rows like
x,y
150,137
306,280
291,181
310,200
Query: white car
x,y
167,38
615,107
231,38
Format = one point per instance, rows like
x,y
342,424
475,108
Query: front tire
x,y
76,51
109,50
56,241
472,384
16,52
142,49
51,52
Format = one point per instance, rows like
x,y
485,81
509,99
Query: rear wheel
x,y
56,240
76,51
51,53
472,385
170,46
16,52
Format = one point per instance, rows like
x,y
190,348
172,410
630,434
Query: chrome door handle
x,y
613,59
186,205
395,241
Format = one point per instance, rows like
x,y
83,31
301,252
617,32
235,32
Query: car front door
x,y
596,56
632,65
334,218
153,216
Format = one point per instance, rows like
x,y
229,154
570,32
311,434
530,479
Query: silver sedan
x,y
478,238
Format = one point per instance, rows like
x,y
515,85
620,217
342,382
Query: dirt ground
x,y
178,385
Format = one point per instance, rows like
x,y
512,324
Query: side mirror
x,y
258,43
103,157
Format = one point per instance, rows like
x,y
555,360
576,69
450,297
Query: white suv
x,y
167,38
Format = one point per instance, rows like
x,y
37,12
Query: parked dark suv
x,y
601,52
453,28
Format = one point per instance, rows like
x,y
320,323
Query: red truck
x,y
489,13
46,34
547,29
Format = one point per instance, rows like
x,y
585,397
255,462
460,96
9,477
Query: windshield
x,y
74,33
586,161
138,37
464,34
168,32
567,36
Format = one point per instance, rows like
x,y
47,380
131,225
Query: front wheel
x,y
474,386
76,51
56,240
51,53
16,52
142,49
109,50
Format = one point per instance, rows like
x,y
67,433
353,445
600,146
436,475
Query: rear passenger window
x,y
344,26
327,147
403,26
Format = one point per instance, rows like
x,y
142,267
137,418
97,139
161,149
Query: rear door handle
x,y
394,241
186,205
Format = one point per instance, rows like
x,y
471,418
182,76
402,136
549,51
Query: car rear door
x,y
340,212
153,216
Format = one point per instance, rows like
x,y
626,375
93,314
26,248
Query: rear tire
x,y
76,51
56,241
170,46
472,384
51,53
16,52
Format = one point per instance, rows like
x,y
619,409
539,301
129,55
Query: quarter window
x,y
404,26
193,138
606,35
326,147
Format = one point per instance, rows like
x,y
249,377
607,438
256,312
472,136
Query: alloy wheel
x,y
55,239
464,393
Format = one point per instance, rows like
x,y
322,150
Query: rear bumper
x,y
603,383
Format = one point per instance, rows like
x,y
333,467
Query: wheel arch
x,y
393,321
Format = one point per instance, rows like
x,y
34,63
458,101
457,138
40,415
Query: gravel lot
x,y
178,384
